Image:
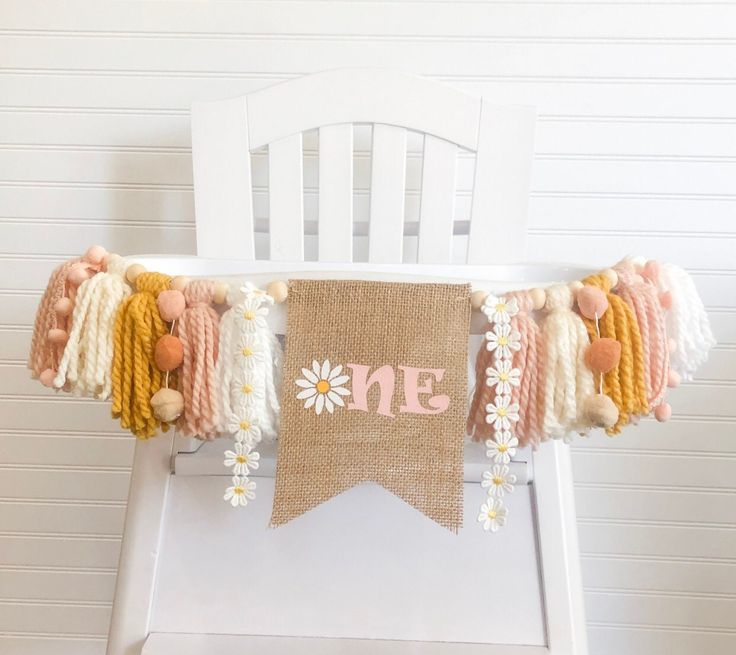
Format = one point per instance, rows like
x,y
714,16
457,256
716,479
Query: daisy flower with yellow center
x,y
241,491
502,447
501,413
503,341
500,309
322,387
242,459
492,515
499,480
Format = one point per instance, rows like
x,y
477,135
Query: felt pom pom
x,y
673,379
167,405
665,299
169,353
78,274
63,307
600,411
58,336
47,377
171,304
652,269
663,412
603,355
592,301
94,255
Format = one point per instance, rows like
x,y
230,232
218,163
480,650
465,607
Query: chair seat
x,y
161,643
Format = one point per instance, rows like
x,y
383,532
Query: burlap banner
x,y
375,382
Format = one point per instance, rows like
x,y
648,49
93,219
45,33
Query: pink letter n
x,y
360,384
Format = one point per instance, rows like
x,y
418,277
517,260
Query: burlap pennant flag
x,y
375,387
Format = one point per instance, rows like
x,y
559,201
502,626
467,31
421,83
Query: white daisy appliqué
x,y
502,447
322,387
500,309
501,413
503,340
241,491
243,459
498,480
492,515
503,377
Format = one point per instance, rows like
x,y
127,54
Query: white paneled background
x,y
636,153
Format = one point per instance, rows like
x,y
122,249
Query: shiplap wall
x,y
636,154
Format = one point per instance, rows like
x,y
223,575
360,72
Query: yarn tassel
x,y
624,383
568,382
686,319
643,299
199,334
85,366
135,377
529,360
248,368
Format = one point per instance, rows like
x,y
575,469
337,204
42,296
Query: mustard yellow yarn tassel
x,y
624,383
135,378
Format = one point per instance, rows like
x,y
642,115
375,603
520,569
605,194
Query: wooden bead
x,y
477,298
58,337
278,290
611,275
220,295
576,285
663,412
63,307
603,355
167,405
539,297
171,303
592,302
179,282
133,271
599,411
168,353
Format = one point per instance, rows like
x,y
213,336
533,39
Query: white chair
x,y
196,576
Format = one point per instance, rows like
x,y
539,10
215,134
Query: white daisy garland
x,y
503,340
249,376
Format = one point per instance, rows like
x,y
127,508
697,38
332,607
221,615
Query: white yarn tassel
x,y
568,381
687,322
86,364
250,383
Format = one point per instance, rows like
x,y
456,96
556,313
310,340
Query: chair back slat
x,y
286,199
223,198
498,217
437,206
388,180
335,229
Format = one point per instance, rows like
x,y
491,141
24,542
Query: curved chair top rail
x,y
362,95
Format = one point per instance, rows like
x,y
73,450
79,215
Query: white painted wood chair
x,y
196,576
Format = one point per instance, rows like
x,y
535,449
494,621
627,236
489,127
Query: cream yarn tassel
x,y
568,381
687,320
87,360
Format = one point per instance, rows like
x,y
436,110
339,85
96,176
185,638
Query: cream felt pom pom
x,y
167,405
599,411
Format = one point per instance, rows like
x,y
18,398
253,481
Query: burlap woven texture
x,y
418,457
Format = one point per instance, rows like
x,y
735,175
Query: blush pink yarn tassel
x,y
199,335
529,359
44,354
643,298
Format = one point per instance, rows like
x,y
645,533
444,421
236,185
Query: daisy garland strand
x,y
503,339
250,353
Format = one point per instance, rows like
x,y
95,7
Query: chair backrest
x,y
226,132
